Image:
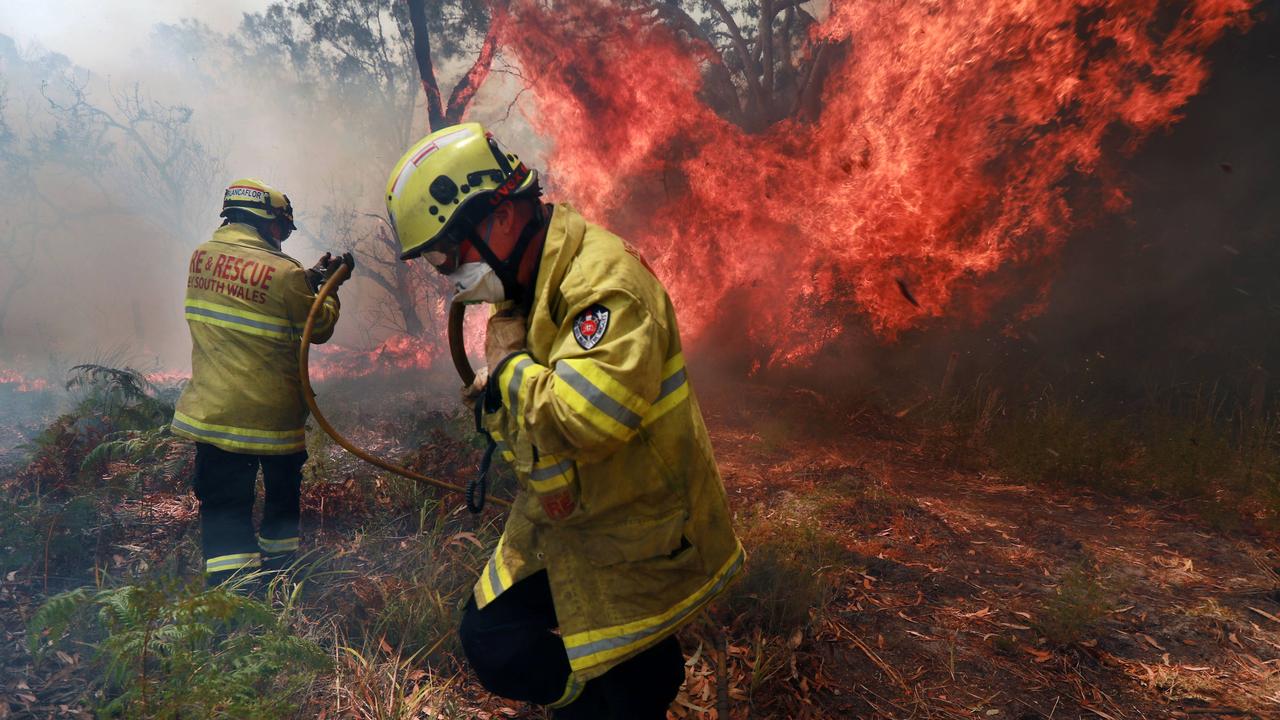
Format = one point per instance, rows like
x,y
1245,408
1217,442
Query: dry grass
x,y
375,684
1217,457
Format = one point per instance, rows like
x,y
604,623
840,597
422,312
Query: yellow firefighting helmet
x,y
258,198
447,182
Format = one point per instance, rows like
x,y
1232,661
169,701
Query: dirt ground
x,y
954,593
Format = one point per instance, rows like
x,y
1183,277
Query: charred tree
x,y
759,62
439,112
378,252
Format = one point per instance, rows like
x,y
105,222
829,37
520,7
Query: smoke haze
x,y
101,247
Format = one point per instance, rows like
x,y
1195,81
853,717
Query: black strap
x,y
247,204
477,488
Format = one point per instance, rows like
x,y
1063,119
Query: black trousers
x,y
514,651
225,484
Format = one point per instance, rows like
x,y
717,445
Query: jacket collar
x,y
564,238
244,235
565,232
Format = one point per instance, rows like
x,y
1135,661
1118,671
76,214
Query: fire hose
x,y
460,361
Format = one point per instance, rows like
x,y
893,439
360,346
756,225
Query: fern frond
x,y
213,653
55,616
129,382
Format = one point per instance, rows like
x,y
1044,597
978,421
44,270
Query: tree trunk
x,y
426,71
764,36
405,301
402,286
755,94
440,114
808,104
465,91
717,88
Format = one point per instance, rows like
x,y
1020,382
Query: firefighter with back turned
x,y
620,531
246,305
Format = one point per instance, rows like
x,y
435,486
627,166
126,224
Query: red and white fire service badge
x,y
589,328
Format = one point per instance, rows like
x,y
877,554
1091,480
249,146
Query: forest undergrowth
x,y
969,557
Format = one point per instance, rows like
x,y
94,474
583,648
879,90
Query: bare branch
x,y
463,93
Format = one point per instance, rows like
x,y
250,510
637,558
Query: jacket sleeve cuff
x,y
500,379
507,364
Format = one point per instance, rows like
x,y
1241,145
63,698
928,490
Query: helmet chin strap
x,y
508,271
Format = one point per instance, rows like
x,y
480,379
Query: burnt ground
x,y
945,592
967,594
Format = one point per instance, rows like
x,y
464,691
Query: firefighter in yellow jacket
x,y
246,306
620,532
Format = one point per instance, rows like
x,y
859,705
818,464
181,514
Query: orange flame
x,y
400,352
16,381
944,156
164,378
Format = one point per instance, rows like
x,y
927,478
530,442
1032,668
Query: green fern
x,y
168,653
121,397
119,415
55,616
128,382
155,450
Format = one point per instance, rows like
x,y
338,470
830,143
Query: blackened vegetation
x,y
112,444
88,488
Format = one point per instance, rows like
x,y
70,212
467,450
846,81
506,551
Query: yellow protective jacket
x,y
246,306
620,499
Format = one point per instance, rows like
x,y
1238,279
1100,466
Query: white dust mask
x,y
476,282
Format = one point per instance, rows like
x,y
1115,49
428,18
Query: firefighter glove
x,y
319,273
476,388
506,335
